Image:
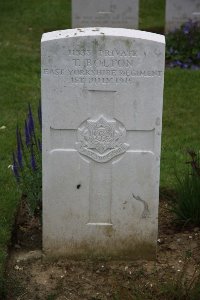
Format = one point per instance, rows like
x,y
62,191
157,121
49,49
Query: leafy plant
x,y
183,46
182,287
187,202
27,161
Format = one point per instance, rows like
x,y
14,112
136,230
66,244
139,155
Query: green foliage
x,y
181,130
22,24
187,202
152,15
52,296
182,287
175,286
13,287
27,162
183,46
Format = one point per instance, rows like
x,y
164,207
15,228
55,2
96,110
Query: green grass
x,y
186,206
181,116
152,15
22,23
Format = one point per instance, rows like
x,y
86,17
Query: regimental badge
x,y
101,139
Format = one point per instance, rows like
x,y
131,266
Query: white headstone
x,y
179,12
105,13
102,94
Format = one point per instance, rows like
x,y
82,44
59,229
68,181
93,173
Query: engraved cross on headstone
x,y
101,141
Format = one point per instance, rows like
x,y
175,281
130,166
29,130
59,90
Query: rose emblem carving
x,y
101,139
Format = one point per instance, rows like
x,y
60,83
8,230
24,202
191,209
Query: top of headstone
x,y
99,31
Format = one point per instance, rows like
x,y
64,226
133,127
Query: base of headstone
x,y
130,251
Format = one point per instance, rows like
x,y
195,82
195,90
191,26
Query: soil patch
x,y
31,276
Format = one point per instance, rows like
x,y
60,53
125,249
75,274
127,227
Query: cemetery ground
x,y
22,25
30,275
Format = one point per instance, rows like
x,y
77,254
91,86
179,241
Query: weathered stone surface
x,y
105,13
102,94
180,11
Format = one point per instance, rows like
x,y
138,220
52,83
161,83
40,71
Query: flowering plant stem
x,y
27,162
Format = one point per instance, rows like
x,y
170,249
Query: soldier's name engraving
x,y
106,63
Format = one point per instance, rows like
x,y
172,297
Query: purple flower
x,y
19,157
186,29
184,66
171,50
15,169
39,145
33,162
177,63
194,67
30,122
40,115
188,26
27,136
198,55
19,148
